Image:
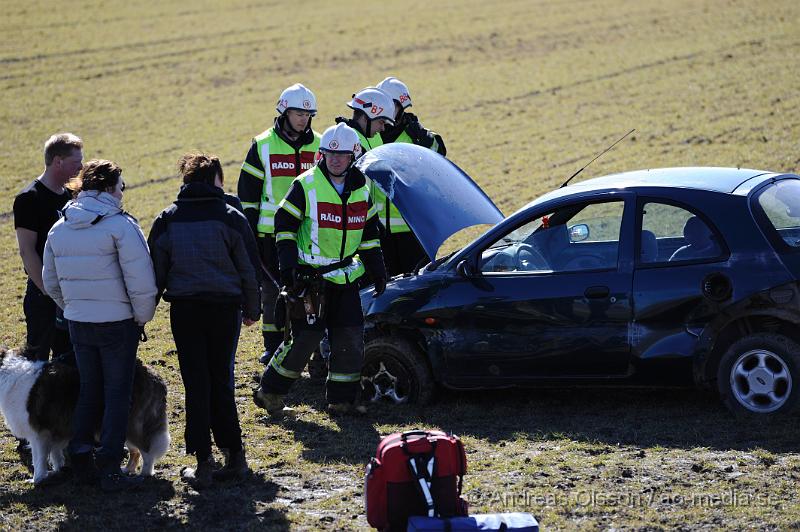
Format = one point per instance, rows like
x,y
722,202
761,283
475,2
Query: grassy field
x,y
523,92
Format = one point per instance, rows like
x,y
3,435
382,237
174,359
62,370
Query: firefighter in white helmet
x,y
276,157
401,249
327,235
373,111
406,126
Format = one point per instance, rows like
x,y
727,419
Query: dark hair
x,y
61,145
97,174
200,167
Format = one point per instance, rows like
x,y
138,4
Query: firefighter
x,y
401,249
406,126
373,111
276,157
327,237
373,114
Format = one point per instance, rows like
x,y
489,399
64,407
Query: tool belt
x,y
306,299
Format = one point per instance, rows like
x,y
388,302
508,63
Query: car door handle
x,y
597,292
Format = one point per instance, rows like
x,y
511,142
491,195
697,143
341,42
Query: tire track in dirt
x,y
610,75
178,54
676,147
147,63
136,18
131,46
680,147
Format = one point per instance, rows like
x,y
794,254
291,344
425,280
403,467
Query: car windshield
x,y
781,203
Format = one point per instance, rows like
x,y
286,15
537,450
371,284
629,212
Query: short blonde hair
x,y
61,145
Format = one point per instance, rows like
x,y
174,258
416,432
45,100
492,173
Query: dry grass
x,y
523,92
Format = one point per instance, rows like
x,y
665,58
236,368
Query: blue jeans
x,y
106,357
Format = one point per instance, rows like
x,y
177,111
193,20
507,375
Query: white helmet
x,y
397,90
340,138
297,97
374,103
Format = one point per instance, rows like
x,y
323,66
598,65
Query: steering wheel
x,y
536,262
584,262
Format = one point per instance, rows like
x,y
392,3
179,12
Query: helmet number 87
x,y
376,110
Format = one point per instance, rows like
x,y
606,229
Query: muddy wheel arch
x,y
719,336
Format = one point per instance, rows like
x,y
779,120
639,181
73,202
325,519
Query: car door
x,y
550,298
680,254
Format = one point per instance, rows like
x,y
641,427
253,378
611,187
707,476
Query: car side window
x,y
674,234
573,238
780,202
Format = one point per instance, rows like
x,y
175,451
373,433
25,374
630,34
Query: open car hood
x,y
436,198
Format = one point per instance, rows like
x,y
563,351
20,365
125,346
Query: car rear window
x,y
780,202
674,234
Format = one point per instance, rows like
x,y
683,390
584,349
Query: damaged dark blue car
x,y
678,276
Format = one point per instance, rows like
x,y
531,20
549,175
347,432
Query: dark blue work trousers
x,y
106,357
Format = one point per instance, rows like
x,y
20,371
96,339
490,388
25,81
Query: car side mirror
x,y
466,269
578,233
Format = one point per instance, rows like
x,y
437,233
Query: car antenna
x,y
597,157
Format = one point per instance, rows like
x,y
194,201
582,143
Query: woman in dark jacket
x,y
202,249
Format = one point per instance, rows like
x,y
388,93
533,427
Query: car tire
x,y
759,376
395,369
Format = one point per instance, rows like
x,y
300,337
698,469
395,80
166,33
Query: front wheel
x,y
758,376
395,369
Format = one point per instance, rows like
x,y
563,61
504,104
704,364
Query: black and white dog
x,y
38,399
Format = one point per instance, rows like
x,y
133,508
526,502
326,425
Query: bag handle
x,y
404,436
404,442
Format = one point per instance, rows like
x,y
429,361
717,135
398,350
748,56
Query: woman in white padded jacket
x,y
97,268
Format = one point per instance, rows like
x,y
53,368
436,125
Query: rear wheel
x,y
758,376
395,369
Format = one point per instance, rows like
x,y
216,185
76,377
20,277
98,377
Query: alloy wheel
x,y
760,381
381,382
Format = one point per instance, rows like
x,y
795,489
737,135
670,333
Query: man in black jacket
x,y
202,252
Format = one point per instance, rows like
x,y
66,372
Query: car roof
x,y
723,180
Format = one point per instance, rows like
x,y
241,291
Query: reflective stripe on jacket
x,y
281,163
387,213
331,228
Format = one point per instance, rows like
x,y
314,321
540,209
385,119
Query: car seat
x,y
649,251
551,242
699,241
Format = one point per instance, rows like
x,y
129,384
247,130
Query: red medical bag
x,y
415,473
